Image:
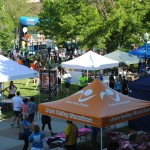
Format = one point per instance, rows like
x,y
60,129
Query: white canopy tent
x,y
11,70
90,61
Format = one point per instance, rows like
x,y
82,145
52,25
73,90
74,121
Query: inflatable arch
x,y
24,22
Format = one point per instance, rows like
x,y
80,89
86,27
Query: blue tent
x,y
140,51
140,89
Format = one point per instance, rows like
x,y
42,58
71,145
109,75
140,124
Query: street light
x,y
146,37
49,46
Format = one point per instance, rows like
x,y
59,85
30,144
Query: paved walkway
x,y
9,135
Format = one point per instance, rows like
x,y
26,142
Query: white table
x,y
6,101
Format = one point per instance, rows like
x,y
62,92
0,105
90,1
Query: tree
x,y
6,28
103,24
69,19
13,10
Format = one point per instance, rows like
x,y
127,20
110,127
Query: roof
x,y
90,61
96,105
11,70
123,57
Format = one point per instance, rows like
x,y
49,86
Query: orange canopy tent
x,y
96,105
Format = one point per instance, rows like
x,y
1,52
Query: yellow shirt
x,y
23,44
82,81
72,131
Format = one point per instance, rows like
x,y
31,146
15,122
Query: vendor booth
x,y
90,61
96,105
141,51
123,57
140,89
11,70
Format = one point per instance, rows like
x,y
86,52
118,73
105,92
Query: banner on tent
x,y
44,80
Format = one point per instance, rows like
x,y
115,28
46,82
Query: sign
x,y
44,80
31,21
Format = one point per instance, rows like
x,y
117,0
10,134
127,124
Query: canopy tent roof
x,y
142,51
11,70
123,57
90,61
96,105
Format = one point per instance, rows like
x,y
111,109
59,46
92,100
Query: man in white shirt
x,y
16,103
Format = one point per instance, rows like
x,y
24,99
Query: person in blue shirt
x,y
31,109
25,127
118,85
36,138
100,76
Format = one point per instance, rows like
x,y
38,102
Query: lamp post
x,y
49,45
146,37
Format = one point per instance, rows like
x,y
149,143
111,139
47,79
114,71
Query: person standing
x,y
124,86
118,85
67,80
23,109
71,134
111,81
31,109
47,120
11,89
94,134
26,127
16,103
100,76
36,138
82,81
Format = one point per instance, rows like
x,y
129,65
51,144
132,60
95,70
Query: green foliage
x,y
6,28
69,19
103,24
99,24
10,12
30,90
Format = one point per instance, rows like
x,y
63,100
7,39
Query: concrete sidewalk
x,y
9,135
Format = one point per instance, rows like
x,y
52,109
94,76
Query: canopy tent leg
x,y
101,139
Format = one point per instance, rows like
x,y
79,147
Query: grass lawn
x,y
29,90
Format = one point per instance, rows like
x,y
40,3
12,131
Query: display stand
x,y
57,88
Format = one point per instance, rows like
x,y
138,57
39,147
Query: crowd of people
x,y
25,108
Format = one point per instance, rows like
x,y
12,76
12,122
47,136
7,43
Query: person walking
x,y
71,135
16,103
26,127
31,109
47,120
36,138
